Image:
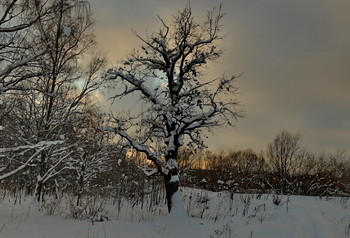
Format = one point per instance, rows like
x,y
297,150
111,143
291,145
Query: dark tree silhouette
x,y
179,101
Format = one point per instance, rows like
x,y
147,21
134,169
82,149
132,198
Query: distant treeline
x,y
287,170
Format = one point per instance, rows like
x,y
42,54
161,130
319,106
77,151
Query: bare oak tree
x,y
179,102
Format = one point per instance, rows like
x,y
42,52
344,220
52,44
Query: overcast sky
x,y
294,56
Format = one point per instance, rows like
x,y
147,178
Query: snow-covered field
x,y
213,215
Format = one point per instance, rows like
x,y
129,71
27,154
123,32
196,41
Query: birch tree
x,y
179,102
95,153
53,101
64,85
17,55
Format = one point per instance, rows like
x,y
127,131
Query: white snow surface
x,y
245,215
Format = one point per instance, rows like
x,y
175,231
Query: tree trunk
x,y
171,182
81,184
39,191
39,183
171,179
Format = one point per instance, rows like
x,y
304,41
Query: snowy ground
x,y
217,215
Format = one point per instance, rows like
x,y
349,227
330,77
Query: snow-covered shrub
x,y
91,206
225,232
52,206
246,201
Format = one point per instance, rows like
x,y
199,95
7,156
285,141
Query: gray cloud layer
x,y
294,56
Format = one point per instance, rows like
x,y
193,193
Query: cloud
x,y
293,54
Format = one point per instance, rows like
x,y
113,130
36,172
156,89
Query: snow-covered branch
x,y
149,171
9,68
41,146
137,83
